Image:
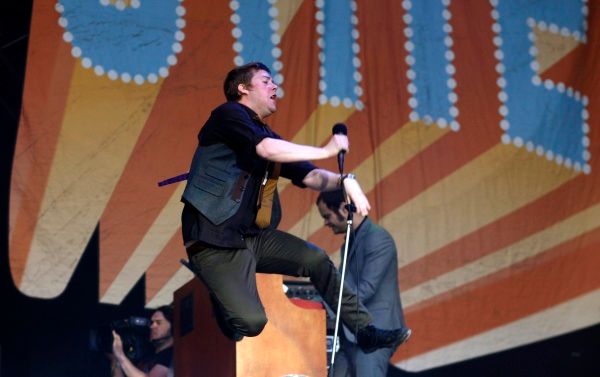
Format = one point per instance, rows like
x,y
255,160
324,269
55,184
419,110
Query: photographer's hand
x,y
126,366
118,346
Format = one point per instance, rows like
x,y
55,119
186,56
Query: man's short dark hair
x,y
332,199
241,75
167,312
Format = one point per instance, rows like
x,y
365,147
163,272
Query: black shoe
x,y
371,338
227,330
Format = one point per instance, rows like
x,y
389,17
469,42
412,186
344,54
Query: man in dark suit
x,y
372,272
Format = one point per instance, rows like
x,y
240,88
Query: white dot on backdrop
x,y
452,97
278,79
529,146
322,85
453,111
518,142
539,150
68,37
138,79
501,82
152,78
413,103
76,52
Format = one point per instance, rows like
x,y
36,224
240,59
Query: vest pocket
x,y
214,182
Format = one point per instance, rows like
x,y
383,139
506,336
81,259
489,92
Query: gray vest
x,y
215,183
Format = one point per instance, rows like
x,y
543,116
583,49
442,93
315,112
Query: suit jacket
x,y
373,251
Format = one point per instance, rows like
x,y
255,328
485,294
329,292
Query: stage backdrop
x,y
474,129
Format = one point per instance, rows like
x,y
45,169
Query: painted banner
x,y
474,129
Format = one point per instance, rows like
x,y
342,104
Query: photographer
x,y
157,365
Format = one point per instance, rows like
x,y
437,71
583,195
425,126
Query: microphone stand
x,y
351,209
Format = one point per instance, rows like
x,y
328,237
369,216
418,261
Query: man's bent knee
x,y
251,325
317,261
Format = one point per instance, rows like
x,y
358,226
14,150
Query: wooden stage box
x,y
292,344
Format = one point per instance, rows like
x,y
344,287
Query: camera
x,y
134,332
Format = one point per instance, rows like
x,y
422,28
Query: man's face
x,y
160,328
333,219
260,95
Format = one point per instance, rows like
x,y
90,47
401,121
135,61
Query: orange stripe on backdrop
x,y
300,73
575,69
164,266
540,214
569,199
49,69
506,296
165,148
477,103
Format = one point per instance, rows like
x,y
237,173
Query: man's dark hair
x,y
167,312
332,199
241,75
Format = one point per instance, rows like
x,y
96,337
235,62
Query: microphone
x,y
340,129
